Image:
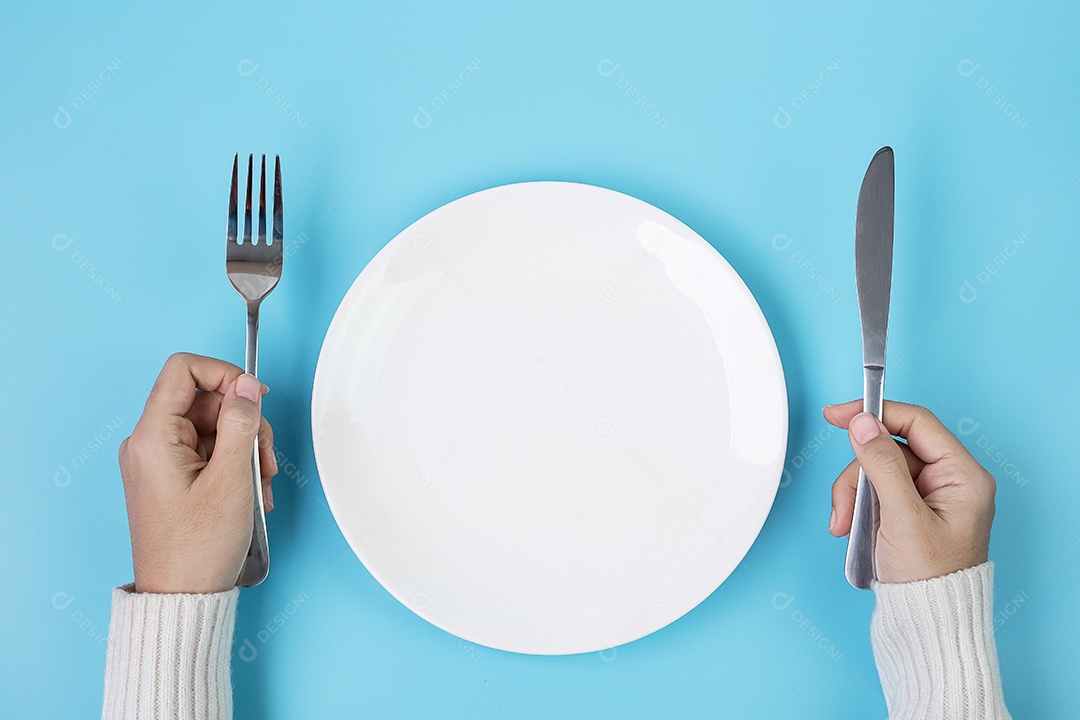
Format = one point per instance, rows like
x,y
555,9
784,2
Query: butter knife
x,y
873,281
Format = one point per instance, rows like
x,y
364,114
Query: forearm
x,y
934,646
168,655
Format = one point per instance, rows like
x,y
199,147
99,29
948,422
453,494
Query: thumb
x,y
885,465
237,425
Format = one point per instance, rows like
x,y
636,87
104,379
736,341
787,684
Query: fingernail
x,y
270,496
864,427
248,388
832,518
265,388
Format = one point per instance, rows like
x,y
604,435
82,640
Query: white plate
x,y
549,418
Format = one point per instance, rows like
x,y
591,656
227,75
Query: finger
x,y
884,463
268,494
267,458
843,500
237,424
840,414
843,491
915,464
925,434
184,374
204,410
205,446
204,414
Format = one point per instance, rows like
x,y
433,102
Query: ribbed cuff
x,y
934,646
168,655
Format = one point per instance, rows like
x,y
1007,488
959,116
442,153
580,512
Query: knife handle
x,y
862,541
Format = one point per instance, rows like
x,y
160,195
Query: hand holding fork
x,y
254,269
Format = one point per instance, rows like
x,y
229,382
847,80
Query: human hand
x,y
936,501
187,476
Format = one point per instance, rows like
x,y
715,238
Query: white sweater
x,y
168,655
933,641
934,647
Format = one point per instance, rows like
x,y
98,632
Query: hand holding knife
x,y
873,280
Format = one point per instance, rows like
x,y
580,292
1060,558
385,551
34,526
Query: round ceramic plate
x,y
549,418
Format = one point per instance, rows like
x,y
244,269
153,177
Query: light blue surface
x,y
130,180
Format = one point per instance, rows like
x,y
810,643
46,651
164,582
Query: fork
x,y
254,269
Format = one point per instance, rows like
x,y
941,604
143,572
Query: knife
x,y
873,282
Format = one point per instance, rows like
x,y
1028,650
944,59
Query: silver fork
x,y
254,270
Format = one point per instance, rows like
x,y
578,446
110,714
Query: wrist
x,y
930,553
180,583
922,573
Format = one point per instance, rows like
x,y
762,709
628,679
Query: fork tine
x,y
247,207
262,202
230,231
278,233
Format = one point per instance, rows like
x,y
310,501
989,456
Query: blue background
x,y
751,123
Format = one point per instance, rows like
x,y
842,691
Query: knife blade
x,y
873,282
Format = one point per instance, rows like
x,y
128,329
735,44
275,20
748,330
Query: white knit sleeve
x,y
168,655
934,646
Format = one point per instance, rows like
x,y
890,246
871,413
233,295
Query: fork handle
x,y
251,356
257,563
